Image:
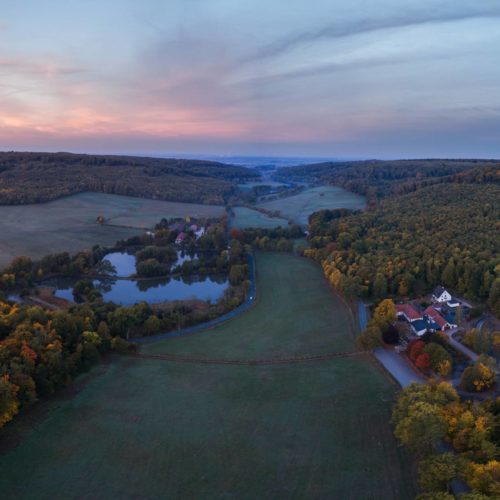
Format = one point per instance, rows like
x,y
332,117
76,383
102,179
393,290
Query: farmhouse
x,y
408,312
418,323
421,326
441,295
434,316
180,238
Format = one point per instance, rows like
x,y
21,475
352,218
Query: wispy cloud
x,y
343,28
227,74
49,69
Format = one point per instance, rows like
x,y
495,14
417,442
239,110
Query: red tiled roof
x,y
436,317
409,311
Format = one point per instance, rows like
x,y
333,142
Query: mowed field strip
x,y
146,428
69,224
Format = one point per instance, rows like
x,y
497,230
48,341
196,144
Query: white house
x,y
200,232
441,295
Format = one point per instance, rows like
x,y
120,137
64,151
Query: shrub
x,y
480,376
415,348
121,345
423,361
390,335
440,360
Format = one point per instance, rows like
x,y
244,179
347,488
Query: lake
x,y
129,292
124,262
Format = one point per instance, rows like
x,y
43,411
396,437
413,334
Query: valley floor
x,y
151,428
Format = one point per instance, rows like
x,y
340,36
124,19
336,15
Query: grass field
x,y
300,206
296,314
68,224
246,217
250,185
144,429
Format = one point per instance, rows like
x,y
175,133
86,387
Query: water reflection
x,y
122,264
128,292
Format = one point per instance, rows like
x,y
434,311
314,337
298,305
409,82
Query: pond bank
x,y
250,300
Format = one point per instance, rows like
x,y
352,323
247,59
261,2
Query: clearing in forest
x,y
300,206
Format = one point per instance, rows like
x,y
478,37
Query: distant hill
x,y
376,179
38,177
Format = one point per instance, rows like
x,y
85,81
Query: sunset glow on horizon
x,y
391,79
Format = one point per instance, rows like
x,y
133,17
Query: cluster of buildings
x,y
183,231
437,317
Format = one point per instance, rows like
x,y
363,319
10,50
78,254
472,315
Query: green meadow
x,y
69,224
298,207
151,428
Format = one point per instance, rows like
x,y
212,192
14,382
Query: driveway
x,y
459,346
390,359
397,367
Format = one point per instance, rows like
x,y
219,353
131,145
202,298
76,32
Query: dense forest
x,y
430,417
443,234
39,177
377,179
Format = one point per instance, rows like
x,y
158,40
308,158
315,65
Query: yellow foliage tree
x,y
9,404
444,368
485,478
385,313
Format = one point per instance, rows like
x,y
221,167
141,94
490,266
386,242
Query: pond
x,y
128,292
124,263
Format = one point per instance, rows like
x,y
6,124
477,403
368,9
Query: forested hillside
x,y
37,177
447,234
376,179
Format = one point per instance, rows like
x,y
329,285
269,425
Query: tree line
x,y
39,177
414,242
378,179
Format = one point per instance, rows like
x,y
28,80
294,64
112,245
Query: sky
x,y
351,78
